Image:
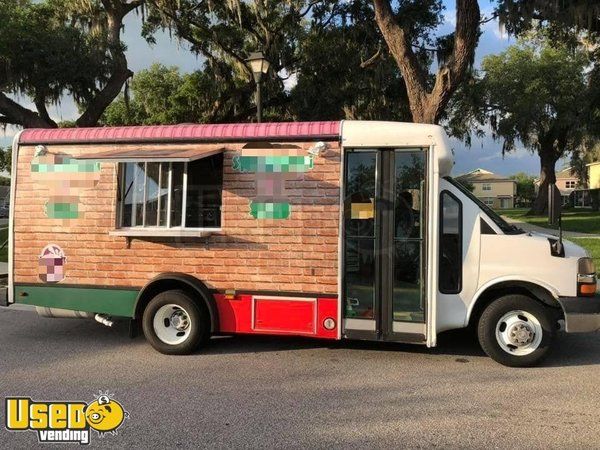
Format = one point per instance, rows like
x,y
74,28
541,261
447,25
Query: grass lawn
x,y
4,251
580,220
592,246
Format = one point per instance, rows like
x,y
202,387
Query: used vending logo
x,y
65,421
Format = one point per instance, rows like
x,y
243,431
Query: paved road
x,y
261,392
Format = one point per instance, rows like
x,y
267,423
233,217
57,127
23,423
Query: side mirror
x,y
554,204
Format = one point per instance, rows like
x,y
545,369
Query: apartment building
x,y
496,191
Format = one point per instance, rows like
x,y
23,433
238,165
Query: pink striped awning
x,y
283,131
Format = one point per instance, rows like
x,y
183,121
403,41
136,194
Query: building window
x,y
450,265
171,194
571,184
486,187
489,201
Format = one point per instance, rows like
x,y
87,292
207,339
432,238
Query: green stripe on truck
x,y
115,302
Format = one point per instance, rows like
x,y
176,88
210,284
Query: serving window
x,y
170,195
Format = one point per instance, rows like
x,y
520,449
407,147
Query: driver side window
x,y
450,258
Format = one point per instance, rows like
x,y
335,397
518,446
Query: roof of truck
x,y
185,132
351,133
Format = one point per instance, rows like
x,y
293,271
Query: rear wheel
x,y
175,324
516,331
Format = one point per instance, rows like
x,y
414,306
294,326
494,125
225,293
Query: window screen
x,y
171,194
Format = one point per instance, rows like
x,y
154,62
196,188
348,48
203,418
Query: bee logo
x,y
105,415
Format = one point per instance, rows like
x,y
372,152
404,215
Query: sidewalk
x,y
537,229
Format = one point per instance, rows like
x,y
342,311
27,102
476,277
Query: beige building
x,y
568,182
583,196
496,191
594,175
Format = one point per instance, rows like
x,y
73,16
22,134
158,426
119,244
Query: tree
x,y
339,49
405,36
152,99
343,54
536,94
57,47
225,33
163,95
525,188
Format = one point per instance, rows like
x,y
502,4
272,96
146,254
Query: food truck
x,y
332,230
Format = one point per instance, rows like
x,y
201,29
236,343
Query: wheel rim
x,y
172,324
519,333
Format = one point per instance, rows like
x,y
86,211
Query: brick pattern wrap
x,y
297,254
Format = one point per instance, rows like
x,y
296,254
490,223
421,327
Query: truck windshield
x,y
502,224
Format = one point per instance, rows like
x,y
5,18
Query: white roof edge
x,y
374,134
365,133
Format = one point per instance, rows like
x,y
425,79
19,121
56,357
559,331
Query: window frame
x,y
486,187
158,230
458,289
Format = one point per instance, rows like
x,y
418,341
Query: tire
x,y
174,324
516,331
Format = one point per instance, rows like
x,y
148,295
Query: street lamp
x,y
259,66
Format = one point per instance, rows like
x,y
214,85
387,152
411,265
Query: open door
x,y
384,246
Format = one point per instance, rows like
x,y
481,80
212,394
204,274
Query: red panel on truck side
x,y
258,314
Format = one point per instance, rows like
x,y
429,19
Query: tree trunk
x,y
428,106
547,177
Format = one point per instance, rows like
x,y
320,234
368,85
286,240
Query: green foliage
x,y
522,15
163,95
525,188
333,56
44,56
536,94
5,160
225,33
346,72
152,101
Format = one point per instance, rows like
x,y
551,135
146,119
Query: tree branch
x,y
485,20
452,74
116,11
40,105
401,48
15,114
373,59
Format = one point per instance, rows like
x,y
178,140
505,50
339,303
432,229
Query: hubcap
x,y
172,324
519,333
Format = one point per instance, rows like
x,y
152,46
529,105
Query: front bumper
x,y
582,314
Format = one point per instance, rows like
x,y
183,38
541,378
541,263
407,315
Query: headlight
x,y
587,266
586,277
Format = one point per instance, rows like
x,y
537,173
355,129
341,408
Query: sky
x,y
483,153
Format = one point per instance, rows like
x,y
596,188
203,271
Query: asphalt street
x,y
251,392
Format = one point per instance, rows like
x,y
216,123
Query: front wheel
x,y
516,331
174,323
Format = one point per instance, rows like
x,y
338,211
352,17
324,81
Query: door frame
x,y
382,327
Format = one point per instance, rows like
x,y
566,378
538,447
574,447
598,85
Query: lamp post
x,y
259,66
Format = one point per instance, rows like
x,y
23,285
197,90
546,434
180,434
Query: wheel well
x,y
190,285
530,290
